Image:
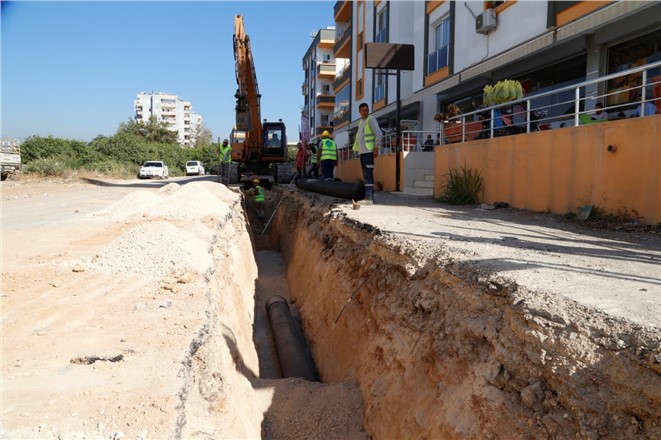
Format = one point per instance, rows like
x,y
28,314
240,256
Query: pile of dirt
x,y
136,321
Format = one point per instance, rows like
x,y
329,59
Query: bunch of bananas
x,y
502,92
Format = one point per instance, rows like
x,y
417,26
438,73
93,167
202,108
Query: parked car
x,y
194,168
154,168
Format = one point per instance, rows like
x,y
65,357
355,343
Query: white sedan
x,y
194,168
154,168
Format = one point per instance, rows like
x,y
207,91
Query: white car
x,y
154,168
194,168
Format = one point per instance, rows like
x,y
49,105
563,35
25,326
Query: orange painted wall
x,y
384,171
560,170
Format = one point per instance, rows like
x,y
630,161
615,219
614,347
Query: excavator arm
x,y
248,112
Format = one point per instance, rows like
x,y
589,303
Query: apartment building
x,y
462,46
175,112
320,67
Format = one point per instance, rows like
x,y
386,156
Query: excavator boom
x,y
255,144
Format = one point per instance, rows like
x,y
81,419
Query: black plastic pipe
x,y
289,346
334,188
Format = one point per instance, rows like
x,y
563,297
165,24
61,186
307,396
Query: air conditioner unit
x,y
486,22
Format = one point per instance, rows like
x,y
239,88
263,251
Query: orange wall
x,y
384,171
560,170
554,170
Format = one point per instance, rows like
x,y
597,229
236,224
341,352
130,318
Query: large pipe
x,y
288,341
342,190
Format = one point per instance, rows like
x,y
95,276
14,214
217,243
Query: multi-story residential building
x,y
461,46
319,99
175,112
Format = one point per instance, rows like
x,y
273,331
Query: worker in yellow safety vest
x,y
368,137
259,199
225,161
327,155
314,162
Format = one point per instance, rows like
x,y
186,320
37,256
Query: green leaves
x,y
503,91
462,187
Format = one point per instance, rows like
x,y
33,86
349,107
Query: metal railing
x,y
411,141
563,107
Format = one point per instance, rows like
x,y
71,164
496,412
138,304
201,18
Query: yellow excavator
x,y
257,146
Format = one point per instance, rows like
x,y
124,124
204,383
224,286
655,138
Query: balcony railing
x,y
563,107
326,70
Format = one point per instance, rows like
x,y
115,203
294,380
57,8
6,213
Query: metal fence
x,y
629,93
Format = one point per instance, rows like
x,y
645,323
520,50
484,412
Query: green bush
x,y
463,187
113,168
45,167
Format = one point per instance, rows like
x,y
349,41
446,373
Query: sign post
x,y
398,57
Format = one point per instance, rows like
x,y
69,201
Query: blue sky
x,y
73,69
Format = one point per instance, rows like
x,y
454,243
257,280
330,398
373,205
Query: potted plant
x,y
454,129
503,91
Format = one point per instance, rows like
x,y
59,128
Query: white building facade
x,y
318,96
462,46
175,112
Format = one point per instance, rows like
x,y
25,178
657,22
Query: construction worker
x,y
327,155
225,161
367,137
259,199
301,158
314,162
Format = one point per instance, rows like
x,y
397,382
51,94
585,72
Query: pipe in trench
x,y
289,345
341,190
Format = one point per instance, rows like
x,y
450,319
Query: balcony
x,y
321,128
342,48
341,116
326,71
342,10
342,77
325,102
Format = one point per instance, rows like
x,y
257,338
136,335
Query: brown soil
x,y
135,309
131,309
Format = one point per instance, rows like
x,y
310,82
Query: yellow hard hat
x,y
325,134
255,180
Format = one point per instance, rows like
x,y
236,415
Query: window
x,y
381,35
438,56
379,87
324,120
325,89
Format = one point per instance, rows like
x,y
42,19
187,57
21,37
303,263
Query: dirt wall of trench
x,y
441,350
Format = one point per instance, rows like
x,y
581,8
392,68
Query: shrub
x,y
113,168
45,167
462,187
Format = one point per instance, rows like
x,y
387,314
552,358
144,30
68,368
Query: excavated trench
x,y
413,347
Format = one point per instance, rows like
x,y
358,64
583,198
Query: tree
x,y
203,136
152,131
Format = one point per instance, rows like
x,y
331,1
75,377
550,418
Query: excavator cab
x,y
275,142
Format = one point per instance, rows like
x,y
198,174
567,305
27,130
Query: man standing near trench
x,y
225,161
367,137
327,155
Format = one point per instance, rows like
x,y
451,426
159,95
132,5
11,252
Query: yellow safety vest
x,y
328,149
226,154
259,197
368,134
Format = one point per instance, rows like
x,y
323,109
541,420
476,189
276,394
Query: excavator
x,y
257,146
